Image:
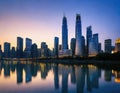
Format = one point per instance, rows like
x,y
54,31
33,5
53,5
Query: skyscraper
x,y
28,44
78,36
34,51
64,34
108,46
56,46
99,48
72,45
6,50
117,45
92,47
88,36
28,47
13,52
83,46
19,47
44,50
96,41
1,54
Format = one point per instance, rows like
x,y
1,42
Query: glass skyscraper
x,y
56,46
78,36
72,45
28,47
88,37
108,46
19,47
28,44
6,50
64,34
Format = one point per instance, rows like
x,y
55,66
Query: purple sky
x,y
41,20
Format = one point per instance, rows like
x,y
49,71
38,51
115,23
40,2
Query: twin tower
x,y
78,35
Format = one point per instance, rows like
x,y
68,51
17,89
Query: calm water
x,y
34,77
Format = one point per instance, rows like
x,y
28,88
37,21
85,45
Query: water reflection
x,y
66,78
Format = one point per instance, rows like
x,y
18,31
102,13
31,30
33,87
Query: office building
x,y
19,47
44,50
1,54
96,41
28,47
13,53
83,46
72,45
78,36
56,46
88,37
34,51
92,48
64,34
99,48
7,50
108,46
117,45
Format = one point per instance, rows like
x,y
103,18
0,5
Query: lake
x,y
38,77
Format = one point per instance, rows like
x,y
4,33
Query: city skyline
x,y
41,23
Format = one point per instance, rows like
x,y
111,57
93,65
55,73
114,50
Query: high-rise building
x,y
28,44
64,34
19,47
96,41
88,37
6,50
117,45
1,54
99,48
92,48
28,47
56,46
34,51
108,46
83,46
72,45
13,52
78,36
44,49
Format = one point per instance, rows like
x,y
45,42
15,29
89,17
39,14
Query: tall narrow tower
x,y
88,37
78,35
64,34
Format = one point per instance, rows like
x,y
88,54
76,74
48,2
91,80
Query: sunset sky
x,y
41,20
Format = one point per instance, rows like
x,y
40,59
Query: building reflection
x,y
117,76
44,70
6,69
64,79
80,78
34,69
28,73
73,76
108,75
19,73
93,74
56,76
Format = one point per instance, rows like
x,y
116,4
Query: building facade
x,y
88,38
56,46
117,45
28,47
64,34
19,47
108,46
78,36
72,46
7,50
34,51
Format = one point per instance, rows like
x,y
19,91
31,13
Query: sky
x,y
41,20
